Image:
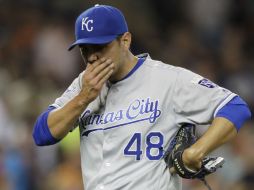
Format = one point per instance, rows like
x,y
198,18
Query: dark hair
x,y
119,37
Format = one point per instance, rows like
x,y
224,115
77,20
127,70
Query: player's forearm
x,y
61,121
220,132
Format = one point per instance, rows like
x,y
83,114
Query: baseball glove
x,y
184,138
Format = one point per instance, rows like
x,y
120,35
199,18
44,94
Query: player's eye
x,y
99,47
92,48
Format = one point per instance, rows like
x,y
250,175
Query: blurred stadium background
x,y
214,38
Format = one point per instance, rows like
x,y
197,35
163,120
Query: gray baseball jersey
x,y
125,131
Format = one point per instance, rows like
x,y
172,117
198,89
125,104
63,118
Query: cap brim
x,y
95,40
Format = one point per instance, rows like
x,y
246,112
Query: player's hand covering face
x,y
98,69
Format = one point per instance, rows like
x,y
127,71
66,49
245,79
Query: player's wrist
x,y
82,100
192,159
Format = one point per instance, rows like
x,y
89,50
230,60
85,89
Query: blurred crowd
x,y
214,38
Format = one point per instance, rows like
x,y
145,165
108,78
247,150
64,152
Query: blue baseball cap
x,y
100,24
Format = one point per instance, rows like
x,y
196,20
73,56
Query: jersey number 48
x,y
134,146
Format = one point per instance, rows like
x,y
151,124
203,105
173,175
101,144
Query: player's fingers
x,y
172,170
104,72
105,78
96,63
94,69
98,69
88,67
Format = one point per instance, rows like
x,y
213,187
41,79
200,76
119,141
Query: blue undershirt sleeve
x,y
41,132
236,111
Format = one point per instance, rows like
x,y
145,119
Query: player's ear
x,y
126,40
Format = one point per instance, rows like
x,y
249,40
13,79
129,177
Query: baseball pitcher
x,y
137,116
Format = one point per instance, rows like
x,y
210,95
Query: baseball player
x,y
129,108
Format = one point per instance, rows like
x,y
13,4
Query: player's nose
x,y
92,57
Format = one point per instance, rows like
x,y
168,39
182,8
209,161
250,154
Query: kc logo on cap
x,y
87,23
100,24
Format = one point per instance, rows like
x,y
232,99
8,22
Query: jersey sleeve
x,y
196,99
72,91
